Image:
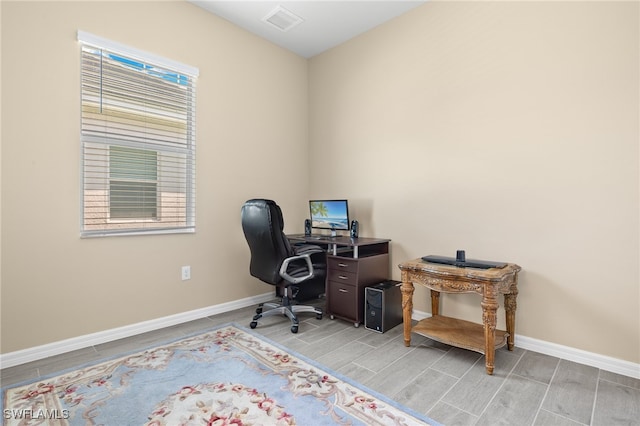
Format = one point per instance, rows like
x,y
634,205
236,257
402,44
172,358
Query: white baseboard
x,y
11,359
603,362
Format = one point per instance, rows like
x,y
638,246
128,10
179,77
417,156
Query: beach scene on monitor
x,y
329,214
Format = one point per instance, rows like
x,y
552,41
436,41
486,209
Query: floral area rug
x,y
227,376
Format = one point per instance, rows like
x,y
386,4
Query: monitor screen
x,y
329,214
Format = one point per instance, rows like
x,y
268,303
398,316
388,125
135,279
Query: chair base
x,y
284,309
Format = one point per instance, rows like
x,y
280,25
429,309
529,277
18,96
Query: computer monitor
x,y
329,214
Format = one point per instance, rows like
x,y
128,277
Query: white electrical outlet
x,y
186,273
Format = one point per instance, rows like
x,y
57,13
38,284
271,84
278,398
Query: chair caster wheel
x,y
294,329
253,324
318,316
259,311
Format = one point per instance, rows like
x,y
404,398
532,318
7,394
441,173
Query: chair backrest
x,y
263,226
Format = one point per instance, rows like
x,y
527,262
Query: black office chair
x,y
274,261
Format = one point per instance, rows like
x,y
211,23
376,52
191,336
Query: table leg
x,y
489,309
407,307
435,303
510,310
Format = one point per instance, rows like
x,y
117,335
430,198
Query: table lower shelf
x,y
458,333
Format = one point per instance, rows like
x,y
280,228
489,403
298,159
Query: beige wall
x,y
506,129
510,130
251,118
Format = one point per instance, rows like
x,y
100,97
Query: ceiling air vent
x,y
282,19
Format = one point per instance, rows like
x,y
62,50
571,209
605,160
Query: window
x,y
133,184
138,141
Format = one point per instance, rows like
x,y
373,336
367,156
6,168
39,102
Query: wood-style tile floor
x,y
445,383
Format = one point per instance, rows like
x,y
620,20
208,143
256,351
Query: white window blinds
x,y
138,141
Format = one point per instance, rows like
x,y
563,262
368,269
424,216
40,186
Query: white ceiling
x,y
326,23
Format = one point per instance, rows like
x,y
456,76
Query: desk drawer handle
x,y
343,265
342,290
342,277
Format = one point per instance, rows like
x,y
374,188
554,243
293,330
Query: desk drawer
x,y
344,299
342,277
342,264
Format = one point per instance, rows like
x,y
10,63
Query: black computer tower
x,y
383,306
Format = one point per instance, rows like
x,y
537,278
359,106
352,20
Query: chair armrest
x,y
285,265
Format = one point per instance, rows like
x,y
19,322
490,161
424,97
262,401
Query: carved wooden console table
x,y
451,279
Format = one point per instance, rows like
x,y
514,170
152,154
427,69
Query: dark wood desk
x,y
355,247
352,265
451,279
